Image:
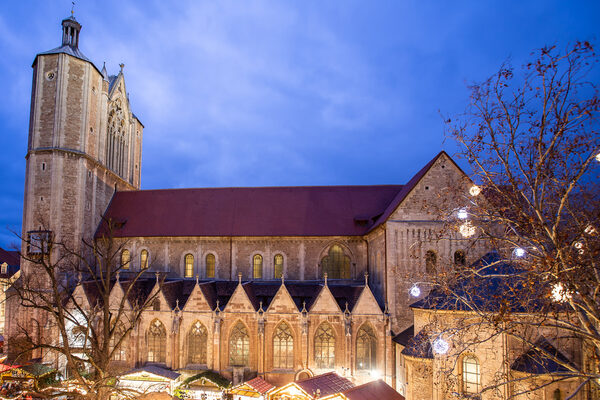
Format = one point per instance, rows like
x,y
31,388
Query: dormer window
x,y
4,268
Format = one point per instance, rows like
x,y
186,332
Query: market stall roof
x,y
256,387
375,390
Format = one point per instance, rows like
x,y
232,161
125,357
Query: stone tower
x,y
84,143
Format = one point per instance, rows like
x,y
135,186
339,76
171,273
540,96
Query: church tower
x,y
84,143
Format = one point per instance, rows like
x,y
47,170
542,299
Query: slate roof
x,y
419,346
374,390
13,260
404,337
260,385
329,383
156,370
544,358
67,49
500,285
258,211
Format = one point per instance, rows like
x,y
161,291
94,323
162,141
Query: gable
x,y
282,303
80,297
239,301
325,303
366,304
116,295
197,301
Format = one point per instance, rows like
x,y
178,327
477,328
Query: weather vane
x,y
72,8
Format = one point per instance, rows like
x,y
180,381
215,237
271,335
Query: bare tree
x,y
69,315
531,138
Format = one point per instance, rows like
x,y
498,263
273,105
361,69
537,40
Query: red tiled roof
x,y
375,390
260,385
265,211
329,383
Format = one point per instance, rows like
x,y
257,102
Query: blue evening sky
x,y
267,93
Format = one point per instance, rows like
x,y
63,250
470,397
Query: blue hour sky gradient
x,y
268,93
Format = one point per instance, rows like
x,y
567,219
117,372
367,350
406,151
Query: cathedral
x,y
279,282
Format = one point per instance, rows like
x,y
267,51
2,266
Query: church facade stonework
x,y
283,282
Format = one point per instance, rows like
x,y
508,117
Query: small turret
x,y
71,30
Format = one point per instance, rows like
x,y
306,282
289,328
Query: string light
x,y
440,346
462,213
467,229
559,293
415,291
474,190
590,230
598,157
519,252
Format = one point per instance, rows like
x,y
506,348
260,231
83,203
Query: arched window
x,y
210,265
125,259
278,266
459,258
156,305
324,346
144,259
119,352
366,348
239,345
471,375
189,266
197,340
336,264
157,342
283,347
430,262
557,395
257,266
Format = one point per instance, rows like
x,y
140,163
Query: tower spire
x,y
71,30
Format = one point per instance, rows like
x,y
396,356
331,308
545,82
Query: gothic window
x,y
119,352
197,342
189,266
283,347
144,259
210,265
336,264
430,262
125,259
157,342
557,395
459,258
257,262
471,375
239,345
324,346
117,143
366,348
278,266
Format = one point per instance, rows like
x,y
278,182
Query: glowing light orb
x,y
475,190
598,157
440,346
467,229
559,293
462,214
375,374
415,291
519,252
590,230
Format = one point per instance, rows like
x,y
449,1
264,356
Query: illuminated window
x,y
144,259
278,266
283,347
471,375
239,345
430,262
119,352
257,266
324,346
210,265
39,242
125,259
157,342
366,348
189,266
197,340
336,264
557,395
459,257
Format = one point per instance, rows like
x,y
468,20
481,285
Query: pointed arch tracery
x,y
336,263
324,346
157,342
117,139
283,347
239,345
366,348
197,343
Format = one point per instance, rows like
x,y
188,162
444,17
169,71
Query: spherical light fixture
x,y
415,291
440,346
474,190
462,213
519,252
559,293
598,157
